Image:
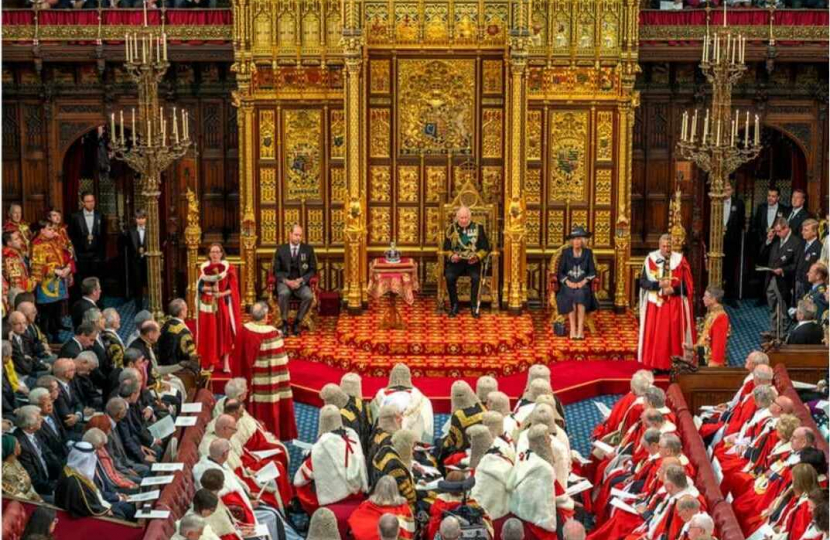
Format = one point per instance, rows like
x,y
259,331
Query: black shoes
x,y
285,330
475,313
454,310
296,329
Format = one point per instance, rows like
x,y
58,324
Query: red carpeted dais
x,y
434,345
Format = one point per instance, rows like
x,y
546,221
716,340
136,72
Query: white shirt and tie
x,y
89,217
140,236
294,250
38,450
727,210
794,213
772,213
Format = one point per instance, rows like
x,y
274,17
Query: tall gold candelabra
x,y
155,141
719,151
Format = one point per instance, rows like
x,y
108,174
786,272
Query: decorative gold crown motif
x,y
678,233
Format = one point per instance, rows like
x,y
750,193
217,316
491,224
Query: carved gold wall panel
x,y
602,186
338,184
436,23
495,22
290,216
268,185
579,217
380,225
377,23
492,81
380,76
380,183
492,128
433,230
303,155
267,142
337,134
491,181
436,183
605,136
533,226
604,292
336,218
556,227
407,22
268,226
568,155
602,228
379,131
408,225
573,81
534,135
533,186
436,105
466,23
408,183
314,226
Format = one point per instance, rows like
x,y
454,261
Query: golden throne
x,y
554,285
482,212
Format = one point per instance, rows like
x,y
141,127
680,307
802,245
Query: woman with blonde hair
x,y
792,512
385,499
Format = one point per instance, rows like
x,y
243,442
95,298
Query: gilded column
x,y
192,238
622,233
355,229
515,256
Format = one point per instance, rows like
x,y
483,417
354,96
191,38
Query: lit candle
x,y
164,40
158,50
732,129
112,126
175,126
728,45
734,47
145,12
743,49
694,126
757,131
717,139
163,131
705,127
134,132
684,124
121,115
143,50
127,46
746,130
149,133
184,130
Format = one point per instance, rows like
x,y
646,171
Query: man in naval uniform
x,y
465,245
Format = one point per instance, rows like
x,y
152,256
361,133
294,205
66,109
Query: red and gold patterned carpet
x,y
434,345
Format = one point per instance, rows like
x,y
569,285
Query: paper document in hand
x,y
262,454
584,485
167,467
576,456
152,514
156,480
260,531
163,428
617,503
606,448
707,407
603,409
185,421
302,445
763,269
192,407
267,473
798,385
149,496
620,494
766,531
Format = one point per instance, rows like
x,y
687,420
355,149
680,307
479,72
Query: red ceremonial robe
x,y
618,412
642,472
261,358
666,322
739,480
762,493
364,521
622,523
710,427
218,319
796,518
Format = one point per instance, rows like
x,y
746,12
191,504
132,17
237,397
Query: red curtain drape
x,y
798,167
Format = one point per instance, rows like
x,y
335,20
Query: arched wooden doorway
x,y
87,165
783,164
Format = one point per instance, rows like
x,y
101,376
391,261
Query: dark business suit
x,y
286,267
36,341
809,333
131,442
90,246
79,308
119,456
798,219
24,360
779,289
808,257
71,349
135,256
732,237
55,439
87,392
9,399
66,404
760,223
42,478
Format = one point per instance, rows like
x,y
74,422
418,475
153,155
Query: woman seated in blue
x,y
576,272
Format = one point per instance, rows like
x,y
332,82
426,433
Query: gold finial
x,y
678,233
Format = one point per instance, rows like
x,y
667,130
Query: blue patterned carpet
x,y
747,323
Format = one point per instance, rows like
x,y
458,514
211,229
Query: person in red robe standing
x,y
710,348
666,321
260,357
14,223
218,313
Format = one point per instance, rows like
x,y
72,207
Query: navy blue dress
x,y
575,269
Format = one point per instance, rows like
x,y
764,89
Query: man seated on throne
x,y
465,244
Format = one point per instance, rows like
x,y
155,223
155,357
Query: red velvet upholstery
x,y
785,387
726,523
14,520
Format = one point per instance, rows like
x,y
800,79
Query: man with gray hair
x,y
513,530
87,384
191,527
807,331
292,268
51,432
388,527
450,529
34,335
41,464
573,530
116,411
113,344
176,344
140,318
700,526
260,350
465,247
